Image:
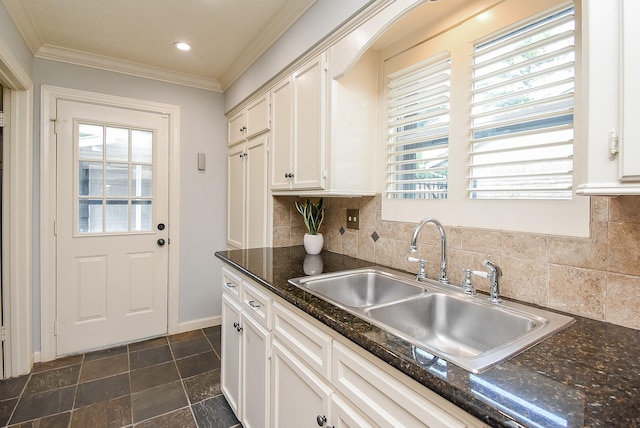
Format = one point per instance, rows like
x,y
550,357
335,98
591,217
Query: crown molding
x,y
71,56
23,21
272,32
12,74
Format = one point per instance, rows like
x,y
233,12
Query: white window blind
x,y
522,112
418,115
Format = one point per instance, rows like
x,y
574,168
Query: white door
x,y
111,226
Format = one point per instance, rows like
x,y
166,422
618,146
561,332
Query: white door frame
x,y
18,214
48,197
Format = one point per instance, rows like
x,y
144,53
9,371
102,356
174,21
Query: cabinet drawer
x,y
387,400
257,304
231,284
308,342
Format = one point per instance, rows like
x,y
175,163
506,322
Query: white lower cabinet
x,y
388,401
255,382
314,376
230,370
246,341
344,415
300,397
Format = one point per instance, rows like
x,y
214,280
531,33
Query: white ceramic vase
x,y
313,243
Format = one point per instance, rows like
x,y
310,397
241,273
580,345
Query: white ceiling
x,y
227,36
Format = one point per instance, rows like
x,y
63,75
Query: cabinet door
x,y
299,396
257,116
309,125
630,136
236,197
236,129
256,192
345,416
230,372
255,386
281,135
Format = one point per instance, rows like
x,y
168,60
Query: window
x,y
115,186
484,124
522,112
419,130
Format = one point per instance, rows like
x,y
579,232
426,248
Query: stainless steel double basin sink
x,y
468,331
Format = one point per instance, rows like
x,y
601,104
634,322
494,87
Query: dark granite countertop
x,y
587,375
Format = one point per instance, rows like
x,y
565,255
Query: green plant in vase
x,y
313,215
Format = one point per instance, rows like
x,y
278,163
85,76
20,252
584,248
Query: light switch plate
x,y
353,218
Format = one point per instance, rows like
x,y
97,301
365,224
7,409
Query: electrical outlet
x,y
353,219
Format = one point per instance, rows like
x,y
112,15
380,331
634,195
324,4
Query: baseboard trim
x,y
199,323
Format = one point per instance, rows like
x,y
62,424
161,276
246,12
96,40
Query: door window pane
x,y
141,214
141,180
117,144
117,215
90,141
117,179
90,179
90,215
141,146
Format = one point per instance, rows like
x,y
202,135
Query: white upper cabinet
x,y
298,154
282,132
611,90
251,121
324,130
247,211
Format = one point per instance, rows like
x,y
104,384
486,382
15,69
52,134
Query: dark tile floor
x,y
171,381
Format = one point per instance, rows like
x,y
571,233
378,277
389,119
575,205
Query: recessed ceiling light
x,y
182,46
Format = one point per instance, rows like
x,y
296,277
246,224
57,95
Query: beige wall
x,y
596,277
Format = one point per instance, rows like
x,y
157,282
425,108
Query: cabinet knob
x,y
321,419
237,326
288,175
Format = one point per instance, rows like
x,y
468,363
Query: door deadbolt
x,y
161,226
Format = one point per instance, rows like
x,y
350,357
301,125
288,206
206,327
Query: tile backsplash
x,y
596,277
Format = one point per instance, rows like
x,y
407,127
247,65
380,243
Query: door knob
x,y
161,242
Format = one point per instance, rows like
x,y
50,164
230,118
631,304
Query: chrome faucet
x,y
494,275
443,246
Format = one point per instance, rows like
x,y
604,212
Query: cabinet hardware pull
x,y
614,145
230,285
253,304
